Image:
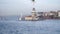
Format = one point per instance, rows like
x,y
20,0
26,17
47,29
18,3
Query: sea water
x,y
13,26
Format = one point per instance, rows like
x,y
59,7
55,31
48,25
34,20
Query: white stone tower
x,y
34,16
33,12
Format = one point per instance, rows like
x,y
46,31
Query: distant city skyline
x,y
16,7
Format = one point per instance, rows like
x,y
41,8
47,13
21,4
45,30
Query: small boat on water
x,y
20,18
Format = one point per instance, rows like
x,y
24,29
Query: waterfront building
x,y
39,13
59,13
28,18
45,13
52,14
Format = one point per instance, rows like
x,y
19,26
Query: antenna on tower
x,y
33,2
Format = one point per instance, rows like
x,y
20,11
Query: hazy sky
x,y
15,7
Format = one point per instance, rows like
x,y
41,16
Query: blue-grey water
x,y
11,25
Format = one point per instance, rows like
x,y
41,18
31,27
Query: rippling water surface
x,y
30,27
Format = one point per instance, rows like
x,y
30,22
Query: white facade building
x,y
59,14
